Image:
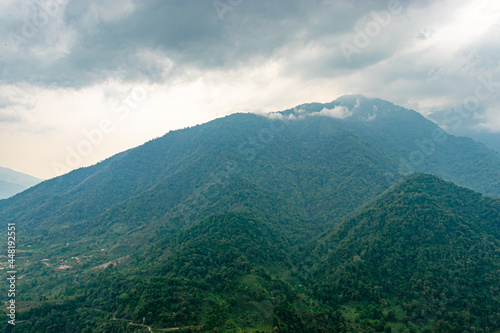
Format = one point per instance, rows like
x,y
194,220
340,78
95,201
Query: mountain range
x,y
13,182
460,122
355,215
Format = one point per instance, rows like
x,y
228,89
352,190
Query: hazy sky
x,y
83,80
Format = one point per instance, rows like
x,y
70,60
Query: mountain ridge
x,y
412,249
13,182
170,182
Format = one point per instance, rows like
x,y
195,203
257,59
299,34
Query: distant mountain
x,y
13,182
461,123
491,140
225,216
426,252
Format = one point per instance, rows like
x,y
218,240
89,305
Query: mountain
x,y
422,257
491,140
13,182
186,175
221,274
426,252
209,227
417,144
458,121
240,162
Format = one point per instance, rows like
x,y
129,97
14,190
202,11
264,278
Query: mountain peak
x,y
351,98
352,107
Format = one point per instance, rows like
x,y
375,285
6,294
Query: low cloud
x,y
490,120
338,112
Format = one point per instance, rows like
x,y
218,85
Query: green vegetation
x,y
426,249
247,224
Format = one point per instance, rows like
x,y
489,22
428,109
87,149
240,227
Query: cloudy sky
x,y
83,80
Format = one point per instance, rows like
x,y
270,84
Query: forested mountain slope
x,y
313,170
426,247
423,257
416,143
317,166
222,274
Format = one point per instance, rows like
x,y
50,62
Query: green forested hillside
x,y
308,174
296,222
426,249
422,257
222,274
320,167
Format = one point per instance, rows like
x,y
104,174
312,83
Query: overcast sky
x,y
83,80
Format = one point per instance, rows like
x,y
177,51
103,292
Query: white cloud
x,y
371,117
338,112
273,115
490,120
